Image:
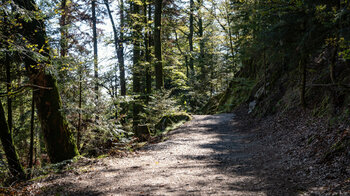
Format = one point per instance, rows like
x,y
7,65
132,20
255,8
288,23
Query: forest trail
x,y
210,155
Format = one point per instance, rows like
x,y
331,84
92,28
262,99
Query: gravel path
x,y
211,155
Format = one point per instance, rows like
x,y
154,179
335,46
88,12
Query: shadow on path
x,y
237,153
211,155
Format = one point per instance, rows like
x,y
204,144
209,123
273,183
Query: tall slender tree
x,y
63,29
120,52
190,37
136,38
158,44
31,145
94,39
136,60
118,43
201,42
9,97
147,41
15,166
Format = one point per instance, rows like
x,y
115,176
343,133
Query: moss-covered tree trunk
x,y
137,69
31,146
15,166
8,86
60,143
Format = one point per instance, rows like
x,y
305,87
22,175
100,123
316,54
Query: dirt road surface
x,y
210,155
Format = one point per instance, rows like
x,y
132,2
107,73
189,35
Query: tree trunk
x,y
20,98
94,38
63,29
136,63
120,52
37,149
59,138
158,44
229,26
14,164
190,37
8,86
31,146
201,43
147,45
60,143
79,105
118,45
136,49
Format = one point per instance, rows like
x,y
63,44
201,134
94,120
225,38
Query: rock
x,y
171,119
252,105
143,132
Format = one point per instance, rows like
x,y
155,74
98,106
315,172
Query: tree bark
x,y
31,145
14,164
59,140
8,87
136,49
37,149
201,43
147,45
94,39
20,97
79,106
63,29
229,26
120,52
158,44
190,37
136,63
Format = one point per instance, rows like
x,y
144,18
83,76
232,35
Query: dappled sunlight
x,y
205,156
166,97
